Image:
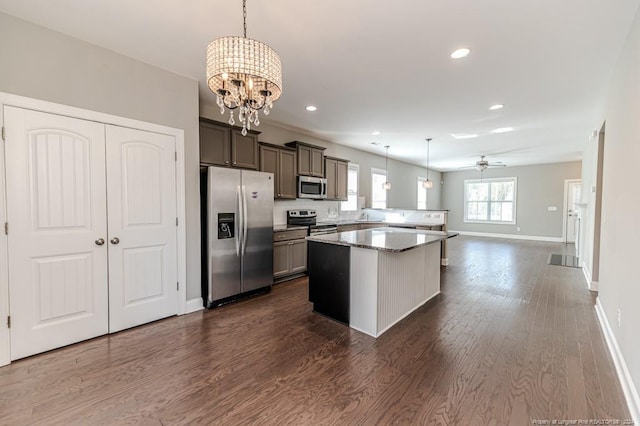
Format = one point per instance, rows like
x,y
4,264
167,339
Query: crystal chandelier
x,y
386,185
427,184
244,74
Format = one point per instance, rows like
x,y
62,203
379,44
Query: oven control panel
x,y
301,213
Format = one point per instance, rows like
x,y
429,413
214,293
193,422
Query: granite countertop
x,y
282,228
393,240
381,222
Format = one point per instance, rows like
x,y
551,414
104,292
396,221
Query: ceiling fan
x,y
483,164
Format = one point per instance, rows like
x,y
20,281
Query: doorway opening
x,y
571,224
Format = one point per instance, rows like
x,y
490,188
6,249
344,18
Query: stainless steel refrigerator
x,y
239,233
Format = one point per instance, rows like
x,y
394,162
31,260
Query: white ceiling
x,y
385,65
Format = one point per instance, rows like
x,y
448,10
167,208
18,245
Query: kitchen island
x,y
371,279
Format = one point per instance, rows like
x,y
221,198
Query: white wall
x,y
619,281
539,187
47,65
403,176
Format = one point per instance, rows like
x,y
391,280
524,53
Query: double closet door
x,y
92,239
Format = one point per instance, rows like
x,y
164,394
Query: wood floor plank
x,y
509,340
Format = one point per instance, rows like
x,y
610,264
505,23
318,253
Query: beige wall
x,y
619,282
539,187
47,65
403,176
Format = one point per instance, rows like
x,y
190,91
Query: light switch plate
x,y
552,208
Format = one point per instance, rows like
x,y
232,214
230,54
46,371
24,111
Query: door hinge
x,y
9,321
176,221
6,228
3,133
176,154
178,286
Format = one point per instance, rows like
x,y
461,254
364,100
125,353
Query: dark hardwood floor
x,y
510,340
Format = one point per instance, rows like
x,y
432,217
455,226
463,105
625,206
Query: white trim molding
x,y
194,305
5,335
628,387
591,285
510,236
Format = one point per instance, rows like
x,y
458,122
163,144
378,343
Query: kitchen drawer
x,y
289,235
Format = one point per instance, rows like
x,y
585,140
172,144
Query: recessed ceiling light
x,y
496,106
311,108
375,133
464,135
460,53
502,130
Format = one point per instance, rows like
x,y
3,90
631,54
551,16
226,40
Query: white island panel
x,y
364,291
406,282
388,286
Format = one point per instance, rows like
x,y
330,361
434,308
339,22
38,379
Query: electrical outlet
x,y
518,229
619,318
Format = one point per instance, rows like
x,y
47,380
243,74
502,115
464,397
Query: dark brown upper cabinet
x,y
337,171
223,145
281,161
310,158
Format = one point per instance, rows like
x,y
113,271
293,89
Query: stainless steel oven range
x,y
308,217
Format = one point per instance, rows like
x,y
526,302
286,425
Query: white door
x,y
574,189
56,210
141,188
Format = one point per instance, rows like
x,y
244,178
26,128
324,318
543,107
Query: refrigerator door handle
x,y
239,221
244,219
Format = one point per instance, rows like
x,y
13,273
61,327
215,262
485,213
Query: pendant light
x,y
245,74
427,184
387,185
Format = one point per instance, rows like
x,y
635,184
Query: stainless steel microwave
x,y
312,187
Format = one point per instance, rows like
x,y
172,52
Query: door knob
x,y
115,240
100,241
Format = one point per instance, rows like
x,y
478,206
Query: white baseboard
x,y
511,236
194,305
628,387
591,285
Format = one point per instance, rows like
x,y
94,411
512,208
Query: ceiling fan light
x,y
481,167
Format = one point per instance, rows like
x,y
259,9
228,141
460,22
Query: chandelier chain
x,y
244,16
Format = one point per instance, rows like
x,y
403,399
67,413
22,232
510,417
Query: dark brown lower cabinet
x,y
289,254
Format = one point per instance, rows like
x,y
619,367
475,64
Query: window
x,y
378,194
352,190
422,195
490,200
